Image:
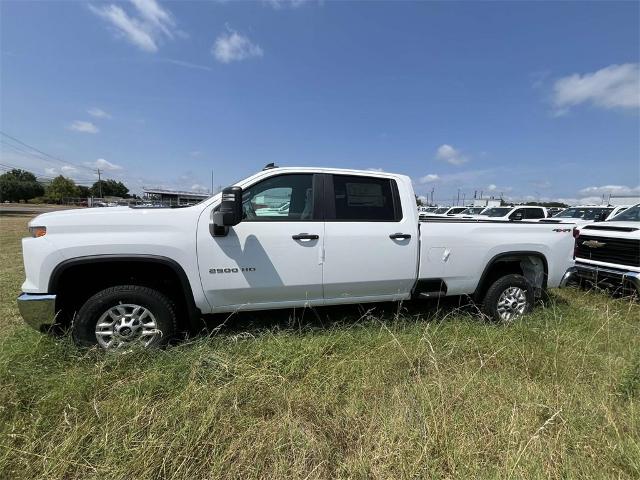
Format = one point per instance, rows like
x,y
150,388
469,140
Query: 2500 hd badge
x,y
231,270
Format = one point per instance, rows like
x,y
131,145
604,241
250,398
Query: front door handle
x,y
397,236
305,236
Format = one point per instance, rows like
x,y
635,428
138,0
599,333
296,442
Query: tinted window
x,y
281,198
496,212
363,198
535,213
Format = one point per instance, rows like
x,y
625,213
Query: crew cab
x,y
513,214
134,275
607,254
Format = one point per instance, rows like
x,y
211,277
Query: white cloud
x,y
68,169
615,86
430,178
98,113
50,171
375,169
103,164
611,190
278,4
84,127
450,155
144,30
155,15
196,187
492,187
232,46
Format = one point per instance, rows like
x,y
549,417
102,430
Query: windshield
x,y
442,210
496,212
585,213
453,211
473,210
630,215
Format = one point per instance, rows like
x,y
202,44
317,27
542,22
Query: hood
x,y
110,219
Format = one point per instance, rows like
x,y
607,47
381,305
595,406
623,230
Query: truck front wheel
x,y
125,315
508,298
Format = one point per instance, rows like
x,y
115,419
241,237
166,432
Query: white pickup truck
x,y
608,253
123,275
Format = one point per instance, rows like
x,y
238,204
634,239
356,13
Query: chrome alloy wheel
x,y
126,324
512,304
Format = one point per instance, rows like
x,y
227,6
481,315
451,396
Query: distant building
x,y
172,197
621,200
487,202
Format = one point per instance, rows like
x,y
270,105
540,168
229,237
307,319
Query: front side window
x,y
363,199
282,198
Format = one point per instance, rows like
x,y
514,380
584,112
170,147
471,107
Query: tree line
x,y
21,185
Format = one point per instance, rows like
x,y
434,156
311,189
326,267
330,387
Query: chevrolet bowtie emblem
x,y
593,244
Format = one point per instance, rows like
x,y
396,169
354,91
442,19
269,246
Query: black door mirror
x,y
229,212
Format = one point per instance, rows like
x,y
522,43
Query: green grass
x,y
413,393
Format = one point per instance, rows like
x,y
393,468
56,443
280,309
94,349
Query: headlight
x,y
38,231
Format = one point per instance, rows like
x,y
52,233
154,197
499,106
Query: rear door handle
x,y
305,236
397,236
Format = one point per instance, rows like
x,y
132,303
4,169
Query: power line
x,y
57,159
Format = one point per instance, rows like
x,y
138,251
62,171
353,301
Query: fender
x,y
193,311
515,256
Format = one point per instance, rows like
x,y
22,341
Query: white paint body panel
x,y
351,262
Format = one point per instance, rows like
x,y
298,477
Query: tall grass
x,y
371,392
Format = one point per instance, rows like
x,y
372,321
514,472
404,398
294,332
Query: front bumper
x,y
608,277
37,310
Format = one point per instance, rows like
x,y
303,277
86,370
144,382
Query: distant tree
x,y
17,184
110,188
83,191
419,202
61,187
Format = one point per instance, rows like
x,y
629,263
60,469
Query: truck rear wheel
x,y
508,298
125,315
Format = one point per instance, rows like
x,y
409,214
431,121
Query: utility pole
x,y
463,197
458,201
432,190
99,183
212,181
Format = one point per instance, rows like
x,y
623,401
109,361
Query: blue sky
x,y
531,100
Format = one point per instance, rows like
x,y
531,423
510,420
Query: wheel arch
x,y
532,265
87,263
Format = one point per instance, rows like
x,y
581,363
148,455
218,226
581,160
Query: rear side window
x,y
535,213
365,199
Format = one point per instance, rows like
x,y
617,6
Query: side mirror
x,y
230,211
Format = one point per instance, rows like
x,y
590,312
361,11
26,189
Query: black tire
x,y
490,303
84,324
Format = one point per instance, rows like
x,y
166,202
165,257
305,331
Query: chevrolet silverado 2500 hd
x,y
123,275
608,253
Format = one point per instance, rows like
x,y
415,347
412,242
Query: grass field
x,y
367,392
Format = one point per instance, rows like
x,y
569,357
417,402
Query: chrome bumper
x,y
37,310
610,276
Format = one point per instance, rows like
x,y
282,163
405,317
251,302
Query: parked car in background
x,y
442,212
584,214
552,211
471,211
608,253
512,214
349,236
